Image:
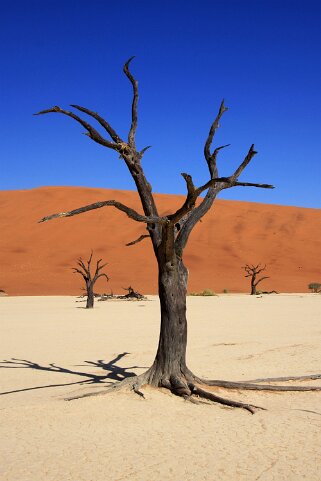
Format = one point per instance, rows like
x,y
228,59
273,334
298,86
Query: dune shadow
x,y
113,372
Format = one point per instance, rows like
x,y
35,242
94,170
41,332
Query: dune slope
x,y
36,259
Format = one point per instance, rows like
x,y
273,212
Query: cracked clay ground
x,y
50,349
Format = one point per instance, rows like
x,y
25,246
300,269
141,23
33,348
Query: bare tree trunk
x,y
90,296
253,287
170,358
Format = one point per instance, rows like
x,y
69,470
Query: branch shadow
x,y
113,372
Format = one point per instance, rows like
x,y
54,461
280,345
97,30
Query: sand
x,y
36,259
58,349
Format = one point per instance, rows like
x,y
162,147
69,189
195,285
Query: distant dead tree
x,y
315,287
168,235
131,294
252,272
85,271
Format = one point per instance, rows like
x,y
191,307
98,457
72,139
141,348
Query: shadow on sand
x,y
113,372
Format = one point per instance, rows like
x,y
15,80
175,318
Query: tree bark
x,y
253,287
90,296
170,360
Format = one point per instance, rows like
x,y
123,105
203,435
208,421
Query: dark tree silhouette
x,y
85,271
131,294
169,235
315,287
252,271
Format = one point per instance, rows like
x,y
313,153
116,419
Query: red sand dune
x,y
36,259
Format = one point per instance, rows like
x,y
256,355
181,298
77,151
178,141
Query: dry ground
x,y
58,349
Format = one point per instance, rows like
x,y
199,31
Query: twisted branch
x,y
209,140
91,132
113,134
133,127
136,241
193,193
251,153
113,203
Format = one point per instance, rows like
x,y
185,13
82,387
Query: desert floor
x,y
52,348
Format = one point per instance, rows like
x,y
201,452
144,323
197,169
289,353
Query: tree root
x,y
226,402
288,378
132,383
137,391
260,387
189,390
187,386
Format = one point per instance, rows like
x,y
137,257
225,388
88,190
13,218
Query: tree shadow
x,y
113,372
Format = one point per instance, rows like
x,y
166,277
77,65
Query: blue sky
x,y
262,56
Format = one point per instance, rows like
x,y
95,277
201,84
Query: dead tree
x,y
169,235
131,294
85,271
252,272
315,287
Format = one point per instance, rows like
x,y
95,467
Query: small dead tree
x,y
315,287
169,235
252,272
131,294
85,271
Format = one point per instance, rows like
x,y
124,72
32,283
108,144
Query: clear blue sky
x,y
262,56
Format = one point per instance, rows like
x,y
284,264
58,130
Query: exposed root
x,y
188,390
187,386
226,402
256,387
137,391
309,377
130,383
180,387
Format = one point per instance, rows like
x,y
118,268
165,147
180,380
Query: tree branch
x,y
133,127
189,184
101,275
245,162
229,182
142,152
90,259
80,262
262,279
92,133
99,267
193,193
113,134
260,270
214,127
118,205
215,185
212,165
136,241
251,184
78,271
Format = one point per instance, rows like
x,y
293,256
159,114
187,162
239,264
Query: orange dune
x,y
36,259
